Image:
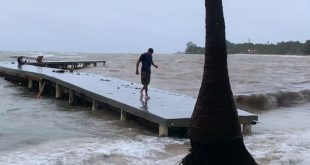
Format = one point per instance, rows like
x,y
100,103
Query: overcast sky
x,y
132,26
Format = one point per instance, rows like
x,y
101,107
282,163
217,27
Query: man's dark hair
x,y
150,50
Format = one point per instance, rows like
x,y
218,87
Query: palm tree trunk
x,y
215,132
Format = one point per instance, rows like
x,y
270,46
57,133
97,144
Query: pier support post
x,y
71,96
40,85
41,88
163,130
94,105
246,129
58,91
123,115
95,64
30,84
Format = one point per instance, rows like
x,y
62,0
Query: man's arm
x,y
137,66
156,66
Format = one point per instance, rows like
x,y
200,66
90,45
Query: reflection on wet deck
x,y
166,109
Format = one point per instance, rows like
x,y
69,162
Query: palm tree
x,y
215,132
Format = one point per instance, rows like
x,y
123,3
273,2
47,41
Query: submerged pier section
x,y
165,110
76,64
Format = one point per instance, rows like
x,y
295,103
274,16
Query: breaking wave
x,y
267,101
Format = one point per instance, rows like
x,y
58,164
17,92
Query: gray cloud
x,y
133,26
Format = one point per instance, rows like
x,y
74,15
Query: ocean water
x,y
49,131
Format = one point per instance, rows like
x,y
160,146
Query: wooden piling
x,y
246,129
71,96
41,88
163,130
58,91
30,84
123,115
94,105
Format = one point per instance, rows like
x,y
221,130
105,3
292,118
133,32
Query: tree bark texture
x,y
215,131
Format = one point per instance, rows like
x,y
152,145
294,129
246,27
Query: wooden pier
x,y
76,64
166,110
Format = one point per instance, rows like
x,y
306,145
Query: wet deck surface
x,y
164,107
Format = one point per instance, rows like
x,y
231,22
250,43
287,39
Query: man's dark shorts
x,y
145,77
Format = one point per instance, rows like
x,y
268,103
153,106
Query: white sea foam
x,y
143,150
281,147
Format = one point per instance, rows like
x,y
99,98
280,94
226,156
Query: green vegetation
x,y
286,48
192,48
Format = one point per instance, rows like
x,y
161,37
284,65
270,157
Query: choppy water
x,y
49,131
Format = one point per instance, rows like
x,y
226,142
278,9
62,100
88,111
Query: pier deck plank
x,y
170,109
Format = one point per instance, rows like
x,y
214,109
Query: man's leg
x,y
142,82
147,81
146,94
141,91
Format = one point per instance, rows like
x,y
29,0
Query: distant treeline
x,y
284,48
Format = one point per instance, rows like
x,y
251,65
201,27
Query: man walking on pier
x,y
147,61
20,60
